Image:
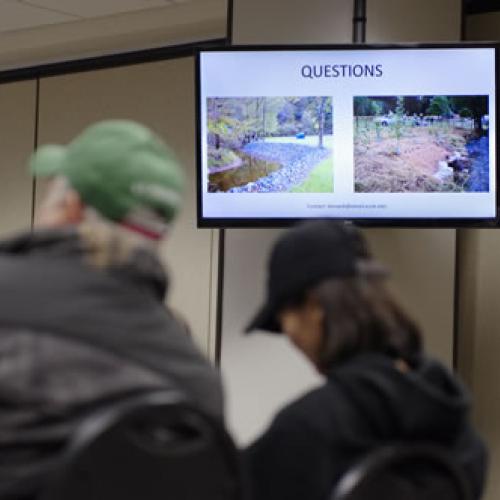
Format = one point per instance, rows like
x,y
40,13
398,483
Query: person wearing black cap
x,y
327,294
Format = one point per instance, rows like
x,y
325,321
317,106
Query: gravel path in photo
x,y
297,162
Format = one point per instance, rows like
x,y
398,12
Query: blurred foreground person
x,y
82,315
326,293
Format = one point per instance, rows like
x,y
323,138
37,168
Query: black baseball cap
x,y
306,255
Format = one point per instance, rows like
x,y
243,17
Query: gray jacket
x,y
74,335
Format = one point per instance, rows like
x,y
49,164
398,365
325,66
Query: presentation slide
x,y
406,133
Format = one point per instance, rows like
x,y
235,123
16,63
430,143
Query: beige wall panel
x,y
479,325
161,95
483,26
261,372
17,132
480,337
413,20
292,21
422,265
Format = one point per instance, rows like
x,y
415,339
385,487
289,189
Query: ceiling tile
x,y
15,15
98,8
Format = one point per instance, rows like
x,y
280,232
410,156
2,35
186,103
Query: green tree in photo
x,y
223,129
477,106
376,108
219,122
321,120
362,106
465,112
378,130
439,106
398,123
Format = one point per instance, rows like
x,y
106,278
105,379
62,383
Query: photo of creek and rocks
x,y
270,144
421,144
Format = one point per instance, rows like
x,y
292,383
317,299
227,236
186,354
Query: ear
x,y
73,208
314,309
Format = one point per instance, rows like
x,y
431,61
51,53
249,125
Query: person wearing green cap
x,y
82,315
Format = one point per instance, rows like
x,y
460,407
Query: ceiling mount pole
x,y
359,22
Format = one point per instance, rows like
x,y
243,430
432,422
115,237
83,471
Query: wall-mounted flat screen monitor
x,y
382,135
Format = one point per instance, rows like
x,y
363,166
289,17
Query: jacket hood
x,y
50,283
424,403
138,265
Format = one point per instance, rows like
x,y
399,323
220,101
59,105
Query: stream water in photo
x,y
249,171
479,180
271,166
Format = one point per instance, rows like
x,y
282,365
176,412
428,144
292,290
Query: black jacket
x,y
365,403
74,334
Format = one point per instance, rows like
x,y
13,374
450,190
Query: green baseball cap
x,y
123,170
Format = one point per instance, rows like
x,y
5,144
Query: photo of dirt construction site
x,y
421,144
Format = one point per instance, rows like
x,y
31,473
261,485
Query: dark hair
x,y
361,316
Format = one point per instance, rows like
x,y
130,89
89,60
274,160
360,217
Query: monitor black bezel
x,y
263,222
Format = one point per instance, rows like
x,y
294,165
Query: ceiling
x,y
36,32
25,14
